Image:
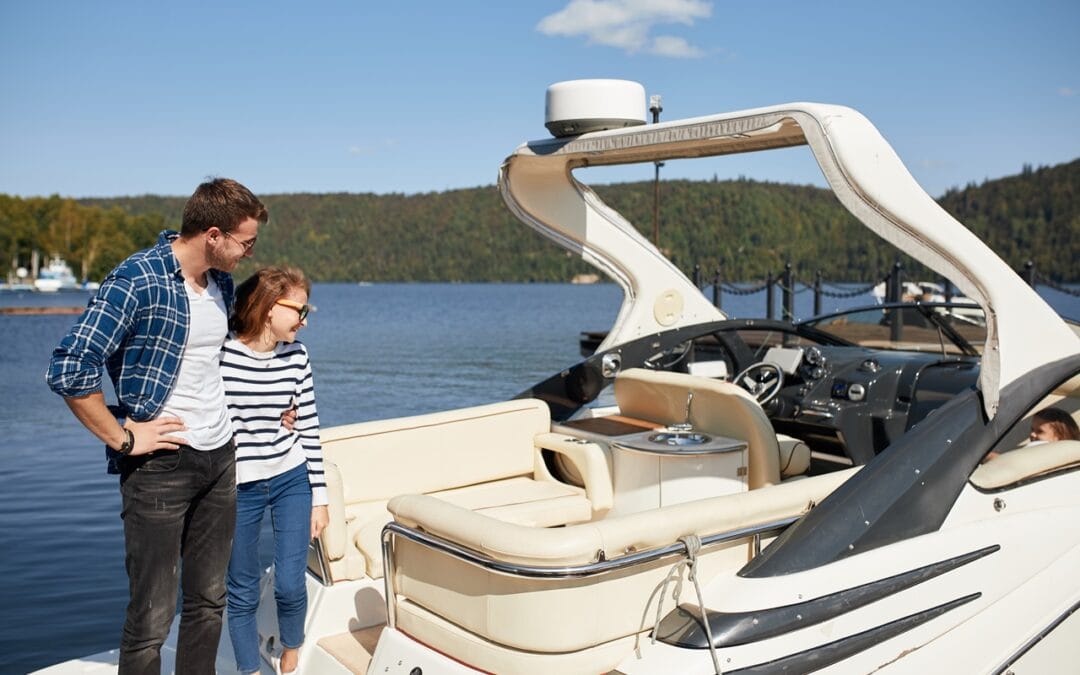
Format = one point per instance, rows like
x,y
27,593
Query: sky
x,y
120,97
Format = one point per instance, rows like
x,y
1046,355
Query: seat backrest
x,y
441,450
718,407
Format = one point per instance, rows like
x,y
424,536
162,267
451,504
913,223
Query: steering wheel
x,y
763,381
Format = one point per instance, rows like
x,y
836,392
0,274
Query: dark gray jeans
x,y
178,507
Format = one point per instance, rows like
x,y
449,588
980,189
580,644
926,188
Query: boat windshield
x,y
926,327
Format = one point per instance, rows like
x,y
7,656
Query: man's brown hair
x,y
222,203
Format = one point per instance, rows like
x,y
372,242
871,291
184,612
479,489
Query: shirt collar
x,y
164,246
172,265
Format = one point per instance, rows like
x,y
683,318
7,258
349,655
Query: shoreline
x,y
39,311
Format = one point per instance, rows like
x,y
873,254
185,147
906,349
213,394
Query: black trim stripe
x,y
833,652
683,627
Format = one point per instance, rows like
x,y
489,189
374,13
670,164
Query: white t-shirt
x,y
198,397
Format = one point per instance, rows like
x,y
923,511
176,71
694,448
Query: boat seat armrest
x,y
574,544
591,463
335,535
794,456
580,543
1027,462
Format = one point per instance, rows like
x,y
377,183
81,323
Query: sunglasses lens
x,y
304,312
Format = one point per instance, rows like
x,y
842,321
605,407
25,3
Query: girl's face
x,y
1041,430
284,319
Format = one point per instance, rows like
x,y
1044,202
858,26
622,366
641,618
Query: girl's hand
x,y
288,418
320,517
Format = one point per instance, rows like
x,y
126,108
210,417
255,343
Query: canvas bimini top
x,y
861,168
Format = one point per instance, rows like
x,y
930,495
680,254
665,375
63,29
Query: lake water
x,y
378,351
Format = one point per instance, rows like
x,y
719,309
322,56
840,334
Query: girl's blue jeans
x,y
288,496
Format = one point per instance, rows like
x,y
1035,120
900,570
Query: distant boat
x,y
930,291
16,287
926,291
57,276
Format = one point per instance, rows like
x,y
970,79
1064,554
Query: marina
x,y
354,340
801,474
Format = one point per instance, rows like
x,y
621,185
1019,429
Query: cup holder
x,y
680,438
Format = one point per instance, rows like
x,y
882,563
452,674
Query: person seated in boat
x,y
1053,424
1048,425
263,368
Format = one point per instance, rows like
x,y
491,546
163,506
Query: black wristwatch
x,y
129,443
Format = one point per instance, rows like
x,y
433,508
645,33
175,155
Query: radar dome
x,y
579,106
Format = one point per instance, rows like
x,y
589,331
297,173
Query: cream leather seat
x,y
718,407
484,458
501,622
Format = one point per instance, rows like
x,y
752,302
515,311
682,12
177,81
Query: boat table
x,y
658,466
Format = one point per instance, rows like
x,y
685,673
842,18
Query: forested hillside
x,y
747,227
1032,216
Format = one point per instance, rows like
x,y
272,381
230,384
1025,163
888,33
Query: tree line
x,y
746,228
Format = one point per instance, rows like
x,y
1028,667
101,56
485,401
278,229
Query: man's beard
x,y
219,261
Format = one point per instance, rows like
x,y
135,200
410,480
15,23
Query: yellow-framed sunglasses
x,y
301,309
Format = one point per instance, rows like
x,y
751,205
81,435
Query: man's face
x,y
226,249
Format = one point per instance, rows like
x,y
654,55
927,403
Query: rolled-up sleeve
x,y
78,362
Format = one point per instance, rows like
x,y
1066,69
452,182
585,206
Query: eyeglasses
x,y
302,310
248,245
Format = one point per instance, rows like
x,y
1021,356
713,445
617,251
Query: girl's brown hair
x,y
1060,422
257,295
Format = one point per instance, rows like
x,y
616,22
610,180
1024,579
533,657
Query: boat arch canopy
x,y
860,167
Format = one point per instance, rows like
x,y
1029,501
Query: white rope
x,y
693,545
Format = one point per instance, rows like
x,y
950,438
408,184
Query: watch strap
x,y
129,443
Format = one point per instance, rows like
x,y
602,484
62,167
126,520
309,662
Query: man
x,y
157,325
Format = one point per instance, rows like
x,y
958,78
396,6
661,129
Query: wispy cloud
x,y
628,24
676,47
1066,91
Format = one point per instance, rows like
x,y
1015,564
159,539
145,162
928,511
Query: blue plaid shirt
x,y
136,327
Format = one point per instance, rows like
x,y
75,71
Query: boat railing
x,y
319,562
602,565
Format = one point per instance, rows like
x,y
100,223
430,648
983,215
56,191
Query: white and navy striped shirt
x,y
259,386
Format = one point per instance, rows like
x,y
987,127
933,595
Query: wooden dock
x,y
39,311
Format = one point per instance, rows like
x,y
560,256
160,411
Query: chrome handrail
x,y
316,546
601,566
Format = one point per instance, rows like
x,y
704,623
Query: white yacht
x,y
704,495
56,276
933,292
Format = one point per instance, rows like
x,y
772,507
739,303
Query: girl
x,y
265,370
1048,425
1053,424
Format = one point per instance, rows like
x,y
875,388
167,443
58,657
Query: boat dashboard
x,y
842,397
855,401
